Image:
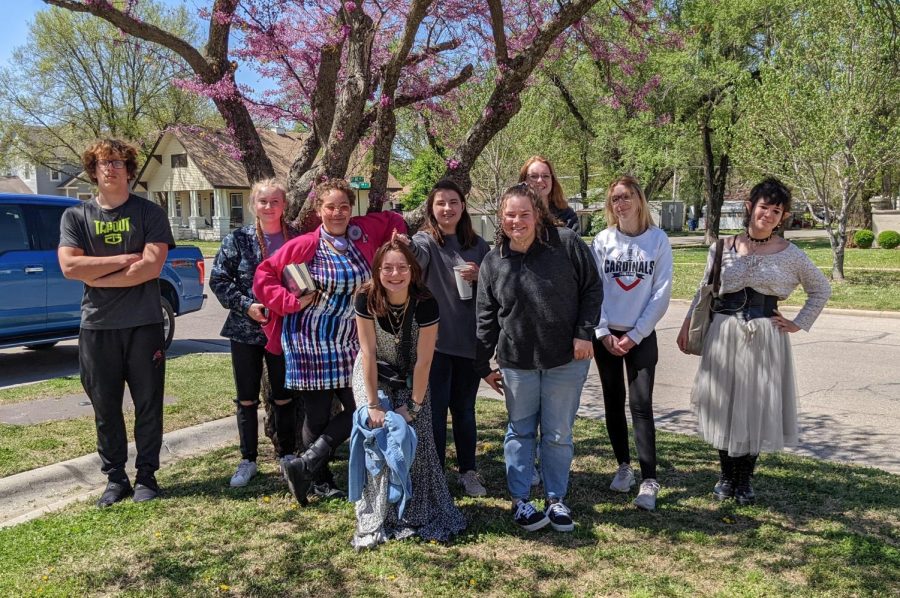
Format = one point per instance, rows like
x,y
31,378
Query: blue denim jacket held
x,y
393,446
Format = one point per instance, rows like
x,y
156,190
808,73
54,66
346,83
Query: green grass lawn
x,y
819,529
201,384
872,276
207,248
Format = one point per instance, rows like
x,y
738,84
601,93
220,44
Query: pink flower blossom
x,y
453,164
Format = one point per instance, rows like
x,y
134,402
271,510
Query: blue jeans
x,y
454,385
550,397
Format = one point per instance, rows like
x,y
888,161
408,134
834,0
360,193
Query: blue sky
x,y
18,14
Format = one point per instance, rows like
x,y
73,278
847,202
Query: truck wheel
x,y
42,346
168,321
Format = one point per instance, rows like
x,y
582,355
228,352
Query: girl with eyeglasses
x,y
397,319
445,248
635,263
538,173
317,331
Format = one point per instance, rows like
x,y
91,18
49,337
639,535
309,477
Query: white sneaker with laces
x,y
245,471
624,478
646,498
282,465
471,483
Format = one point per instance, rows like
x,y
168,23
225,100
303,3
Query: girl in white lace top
x,y
745,394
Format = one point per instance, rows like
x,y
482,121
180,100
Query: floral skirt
x,y
745,392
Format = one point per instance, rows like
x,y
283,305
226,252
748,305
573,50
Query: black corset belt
x,y
746,303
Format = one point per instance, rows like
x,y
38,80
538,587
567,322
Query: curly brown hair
x,y
103,149
335,184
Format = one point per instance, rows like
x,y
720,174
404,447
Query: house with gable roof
x,y
204,189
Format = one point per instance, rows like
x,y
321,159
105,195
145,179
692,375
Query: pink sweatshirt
x,y
374,231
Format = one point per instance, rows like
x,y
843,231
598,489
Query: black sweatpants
x,y
640,369
247,365
109,359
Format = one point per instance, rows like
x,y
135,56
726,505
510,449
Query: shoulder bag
x,y
394,377
703,313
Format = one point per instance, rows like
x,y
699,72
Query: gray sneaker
x,y
624,478
646,498
245,471
282,465
472,484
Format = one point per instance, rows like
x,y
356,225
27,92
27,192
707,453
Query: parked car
x,y
40,307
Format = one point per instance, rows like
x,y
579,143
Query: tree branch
x,y
570,103
497,28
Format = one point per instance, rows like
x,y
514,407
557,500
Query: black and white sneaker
x,y
529,518
560,516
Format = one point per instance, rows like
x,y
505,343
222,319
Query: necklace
x,y
396,315
757,241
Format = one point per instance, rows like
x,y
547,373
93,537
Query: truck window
x,y
48,218
13,236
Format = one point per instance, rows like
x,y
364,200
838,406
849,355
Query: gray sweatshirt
x,y
531,306
456,335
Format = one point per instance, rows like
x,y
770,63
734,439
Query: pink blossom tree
x,y
343,68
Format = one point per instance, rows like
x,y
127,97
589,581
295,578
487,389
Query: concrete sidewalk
x,y
847,371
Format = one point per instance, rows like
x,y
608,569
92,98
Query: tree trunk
x,y
714,183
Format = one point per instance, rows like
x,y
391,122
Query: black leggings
x,y
318,421
640,368
247,365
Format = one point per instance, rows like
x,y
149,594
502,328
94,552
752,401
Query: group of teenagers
x,y
390,342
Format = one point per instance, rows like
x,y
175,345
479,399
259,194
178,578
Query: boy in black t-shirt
x,y
117,244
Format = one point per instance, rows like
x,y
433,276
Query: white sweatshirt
x,y
637,280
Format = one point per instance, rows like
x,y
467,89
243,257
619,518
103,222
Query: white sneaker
x,y
646,498
245,471
282,465
471,483
624,478
535,476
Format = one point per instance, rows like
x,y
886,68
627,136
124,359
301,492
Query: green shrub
x,y
598,222
888,239
864,238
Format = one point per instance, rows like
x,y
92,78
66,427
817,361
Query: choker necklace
x,y
338,242
758,241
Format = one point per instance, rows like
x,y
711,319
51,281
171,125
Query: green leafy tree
x,y
824,116
78,78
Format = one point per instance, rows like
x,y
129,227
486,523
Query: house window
x,y
237,209
85,196
55,175
177,208
26,172
179,160
212,204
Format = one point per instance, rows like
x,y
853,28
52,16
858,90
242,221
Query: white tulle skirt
x,y
745,392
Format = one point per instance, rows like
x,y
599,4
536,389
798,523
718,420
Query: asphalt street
x,y
847,370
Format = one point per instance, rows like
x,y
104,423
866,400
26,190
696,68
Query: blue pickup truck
x,y
38,306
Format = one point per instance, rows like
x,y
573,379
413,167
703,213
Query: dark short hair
x,y
102,149
773,191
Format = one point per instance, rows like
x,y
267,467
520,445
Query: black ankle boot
x,y
724,488
743,492
302,471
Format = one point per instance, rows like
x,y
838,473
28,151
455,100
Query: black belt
x,y
746,303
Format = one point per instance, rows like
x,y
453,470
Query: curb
x,y
30,494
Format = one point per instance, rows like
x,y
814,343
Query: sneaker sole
x,y
533,527
563,528
644,508
622,490
238,485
